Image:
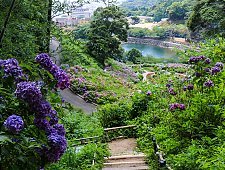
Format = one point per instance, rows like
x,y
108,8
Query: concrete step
x,y
127,168
125,164
125,158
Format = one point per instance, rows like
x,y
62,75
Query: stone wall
x,y
165,44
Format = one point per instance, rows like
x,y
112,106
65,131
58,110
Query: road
x,y
67,94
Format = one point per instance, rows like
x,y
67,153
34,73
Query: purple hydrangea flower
x,y
62,78
148,93
207,61
181,106
45,61
42,123
59,129
175,106
215,70
209,83
197,74
57,145
12,68
207,70
14,124
28,92
53,117
60,75
171,91
168,85
185,88
219,64
190,87
196,59
42,108
54,69
57,141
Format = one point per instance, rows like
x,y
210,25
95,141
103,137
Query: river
x,y
149,50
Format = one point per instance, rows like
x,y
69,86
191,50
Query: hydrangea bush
x,y
30,134
187,117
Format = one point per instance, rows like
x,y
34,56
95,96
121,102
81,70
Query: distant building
x,y
77,16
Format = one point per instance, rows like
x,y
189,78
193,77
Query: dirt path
x,y
67,94
123,147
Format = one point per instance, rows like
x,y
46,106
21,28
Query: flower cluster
x,y
28,92
209,83
170,89
14,124
175,106
172,92
45,119
60,75
220,65
12,69
214,70
197,59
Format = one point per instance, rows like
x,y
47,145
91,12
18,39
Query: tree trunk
x,y
6,22
49,25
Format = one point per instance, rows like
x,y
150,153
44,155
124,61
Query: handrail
x,y
120,127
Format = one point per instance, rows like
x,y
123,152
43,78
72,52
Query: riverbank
x,y
154,42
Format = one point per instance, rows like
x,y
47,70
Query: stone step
x,y
125,158
125,164
128,168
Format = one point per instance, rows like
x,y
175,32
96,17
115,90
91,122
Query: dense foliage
x,y
161,31
207,19
78,125
158,9
30,135
26,31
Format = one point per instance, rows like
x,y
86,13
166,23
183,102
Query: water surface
x,y
149,50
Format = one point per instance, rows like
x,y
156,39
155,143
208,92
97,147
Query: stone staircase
x,y
125,162
124,156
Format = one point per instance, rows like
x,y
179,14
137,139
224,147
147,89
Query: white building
x,y
78,15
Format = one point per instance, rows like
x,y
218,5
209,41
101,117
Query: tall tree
x,y
207,19
108,28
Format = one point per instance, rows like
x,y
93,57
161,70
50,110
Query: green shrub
x,y
113,115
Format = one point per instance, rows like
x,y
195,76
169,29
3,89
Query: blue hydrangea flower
x,y
14,124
